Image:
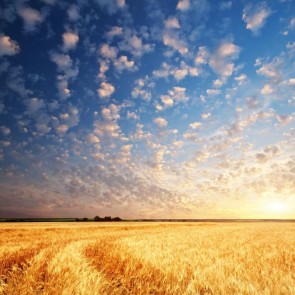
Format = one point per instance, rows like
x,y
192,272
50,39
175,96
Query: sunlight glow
x,y
277,206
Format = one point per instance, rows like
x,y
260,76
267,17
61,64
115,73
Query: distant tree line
x,y
100,219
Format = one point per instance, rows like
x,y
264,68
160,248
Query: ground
x,y
147,258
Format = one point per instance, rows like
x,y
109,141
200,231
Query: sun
x,y
277,206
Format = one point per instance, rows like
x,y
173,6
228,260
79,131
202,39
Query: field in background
x,y
147,258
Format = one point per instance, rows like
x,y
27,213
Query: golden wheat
x,y
147,258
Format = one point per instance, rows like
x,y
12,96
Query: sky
x,y
147,109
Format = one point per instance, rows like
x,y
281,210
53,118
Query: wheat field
x,y
147,258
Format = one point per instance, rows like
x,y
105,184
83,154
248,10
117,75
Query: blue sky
x,y
147,109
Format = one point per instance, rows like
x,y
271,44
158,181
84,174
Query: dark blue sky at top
x,y
191,87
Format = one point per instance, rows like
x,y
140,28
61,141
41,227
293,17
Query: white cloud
x,y
291,81
63,61
108,51
178,73
255,17
34,104
65,67
266,89
124,64
178,94
111,6
5,130
292,23
221,59
206,116
241,79
268,70
106,89
73,12
8,46
183,5
213,91
62,128
115,31
202,56
70,40
218,83
111,113
161,122
31,18
92,139
172,23
141,93
167,100
225,5
64,91
172,39
134,44
195,125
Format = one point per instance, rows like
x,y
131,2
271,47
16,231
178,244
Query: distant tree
x,y
85,219
107,218
117,219
97,218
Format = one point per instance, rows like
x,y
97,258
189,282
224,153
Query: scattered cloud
x,y
31,18
106,90
8,46
160,122
255,16
221,61
183,5
70,40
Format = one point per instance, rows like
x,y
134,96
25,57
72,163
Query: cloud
x,y
34,104
106,90
206,116
61,129
221,61
31,18
8,46
292,23
161,122
195,125
70,40
172,23
213,92
68,71
172,39
5,130
225,5
202,56
111,6
73,12
167,101
111,113
241,79
108,51
92,139
291,82
270,70
122,63
114,31
255,16
178,73
267,89
178,94
183,5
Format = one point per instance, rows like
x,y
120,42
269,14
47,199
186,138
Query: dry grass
x,y
147,258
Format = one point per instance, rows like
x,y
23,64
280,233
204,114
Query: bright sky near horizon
x,y
147,109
